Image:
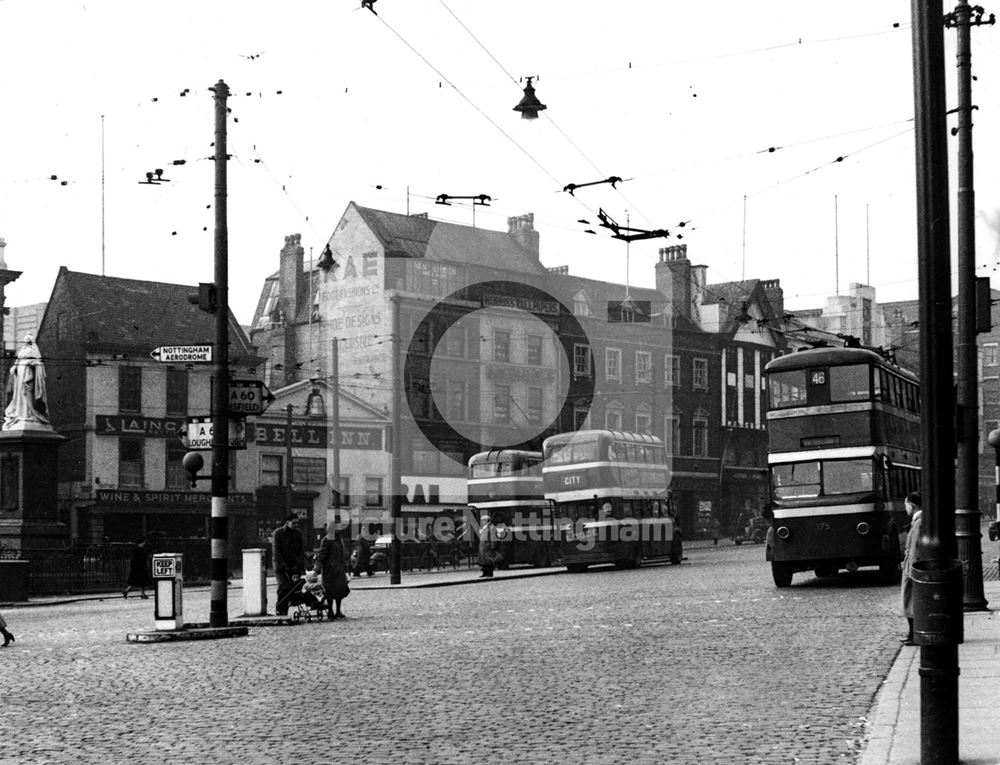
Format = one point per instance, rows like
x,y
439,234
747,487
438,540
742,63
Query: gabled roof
x,y
127,314
351,407
735,298
420,237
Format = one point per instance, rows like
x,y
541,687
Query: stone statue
x,y
28,405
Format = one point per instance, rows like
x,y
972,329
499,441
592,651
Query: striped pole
x,y
218,610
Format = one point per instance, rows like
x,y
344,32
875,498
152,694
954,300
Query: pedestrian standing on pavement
x,y
289,556
914,552
138,570
8,638
487,546
331,563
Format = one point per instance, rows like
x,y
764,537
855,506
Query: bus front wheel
x,y
782,574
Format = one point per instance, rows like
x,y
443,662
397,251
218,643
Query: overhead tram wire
x,y
469,100
838,160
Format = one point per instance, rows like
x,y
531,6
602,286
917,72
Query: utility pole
x,y
218,609
938,649
967,516
335,421
395,500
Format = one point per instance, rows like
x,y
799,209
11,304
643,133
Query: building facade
x,y
484,347
123,412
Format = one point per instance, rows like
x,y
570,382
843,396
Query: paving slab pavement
x,y
894,723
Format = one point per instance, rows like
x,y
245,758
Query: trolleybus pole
x,y
935,576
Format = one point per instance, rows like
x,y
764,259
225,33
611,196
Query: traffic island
x,y
189,632
266,621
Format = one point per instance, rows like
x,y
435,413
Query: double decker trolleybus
x,y
507,484
844,451
610,489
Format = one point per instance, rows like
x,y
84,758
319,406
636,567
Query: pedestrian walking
x,y
488,554
361,560
331,564
138,570
289,558
8,637
914,552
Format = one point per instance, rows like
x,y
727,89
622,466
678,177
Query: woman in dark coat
x,y
331,563
138,570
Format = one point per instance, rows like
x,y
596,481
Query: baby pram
x,y
307,599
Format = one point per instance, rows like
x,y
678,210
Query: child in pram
x,y
307,596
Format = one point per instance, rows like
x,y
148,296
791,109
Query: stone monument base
x,y
29,491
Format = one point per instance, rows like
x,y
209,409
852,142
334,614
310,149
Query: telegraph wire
x,y
554,124
468,100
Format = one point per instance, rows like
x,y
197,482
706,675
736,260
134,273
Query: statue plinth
x,y
29,484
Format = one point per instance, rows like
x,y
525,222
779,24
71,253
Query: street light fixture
x,y
529,106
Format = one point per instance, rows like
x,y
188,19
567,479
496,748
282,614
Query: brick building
x,y
494,349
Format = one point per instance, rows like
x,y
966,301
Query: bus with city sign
x,y
507,485
843,453
610,493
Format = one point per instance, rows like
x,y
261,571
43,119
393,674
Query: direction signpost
x,y
200,433
249,397
182,353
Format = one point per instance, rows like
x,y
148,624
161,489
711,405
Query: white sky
x,y
680,99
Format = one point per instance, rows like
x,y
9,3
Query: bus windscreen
x,y
805,480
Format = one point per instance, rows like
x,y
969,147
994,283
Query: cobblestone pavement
x,y
702,663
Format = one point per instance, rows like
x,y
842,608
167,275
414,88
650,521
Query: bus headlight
x,y
863,528
783,532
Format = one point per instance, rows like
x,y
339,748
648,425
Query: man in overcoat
x,y
289,558
913,553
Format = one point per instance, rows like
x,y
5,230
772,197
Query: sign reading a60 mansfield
x,y
199,433
249,397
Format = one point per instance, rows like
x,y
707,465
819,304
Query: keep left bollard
x,y
254,582
168,583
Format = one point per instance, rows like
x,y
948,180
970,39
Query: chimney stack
x,y
775,295
673,278
522,228
290,275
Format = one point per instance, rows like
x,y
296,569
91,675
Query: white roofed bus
x,y
507,485
610,493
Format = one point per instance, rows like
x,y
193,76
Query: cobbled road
x,y
703,663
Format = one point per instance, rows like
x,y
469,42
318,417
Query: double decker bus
x,y
609,488
844,451
507,484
